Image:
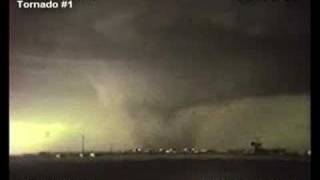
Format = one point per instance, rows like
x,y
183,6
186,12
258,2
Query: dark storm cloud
x,y
169,28
155,59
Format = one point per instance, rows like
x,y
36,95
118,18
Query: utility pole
x,y
83,143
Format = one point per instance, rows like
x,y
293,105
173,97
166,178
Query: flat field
x,y
143,167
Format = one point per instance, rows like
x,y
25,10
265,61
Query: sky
x,y
178,73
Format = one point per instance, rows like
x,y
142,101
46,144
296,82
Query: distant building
x,y
194,150
92,155
161,150
137,150
186,150
58,156
170,151
203,150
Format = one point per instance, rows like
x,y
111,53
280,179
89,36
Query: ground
x,y
144,168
